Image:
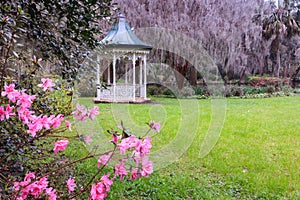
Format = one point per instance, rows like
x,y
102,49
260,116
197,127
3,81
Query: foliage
x,y
28,121
61,32
186,91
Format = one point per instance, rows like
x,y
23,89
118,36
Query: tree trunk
x,y
294,76
193,76
278,63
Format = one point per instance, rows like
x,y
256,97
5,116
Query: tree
x,y
62,32
225,29
282,25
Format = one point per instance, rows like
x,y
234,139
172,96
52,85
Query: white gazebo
x,y
126,53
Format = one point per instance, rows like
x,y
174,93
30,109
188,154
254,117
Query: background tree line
x,y
244,38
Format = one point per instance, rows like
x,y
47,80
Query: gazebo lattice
x,y
121,44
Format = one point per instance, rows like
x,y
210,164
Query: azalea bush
x,y
17,109
36,111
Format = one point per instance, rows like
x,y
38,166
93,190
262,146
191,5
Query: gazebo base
x,y
138,100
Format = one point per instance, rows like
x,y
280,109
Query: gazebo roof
x,y
121,36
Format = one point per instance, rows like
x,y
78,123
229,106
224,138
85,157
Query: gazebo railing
x,y
123,92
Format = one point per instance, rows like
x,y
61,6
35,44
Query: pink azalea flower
x,y
47,84
2,113
88,139
29,176
115,139
104,159
71,185
37,187
25,115
106,181
155,126
147,167
35,60
11,93
9,111
80,113
25,100
135,174
80,108
120,169
98,192
34,128
60,145
93,112
83,113
127,143
51,192
69,125
143,147
56,122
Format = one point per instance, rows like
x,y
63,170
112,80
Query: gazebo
x,y
124,50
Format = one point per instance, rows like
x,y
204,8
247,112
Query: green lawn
x,y
257,155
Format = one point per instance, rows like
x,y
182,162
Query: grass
x,y
257,155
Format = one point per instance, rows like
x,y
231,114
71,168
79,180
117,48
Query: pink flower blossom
x,y
69,125
2,113
106,181
80,113
71,185
34,188
47,84
11,93
93,112
155,126
147,167
120,169
28,177
115,139
34,128
56,122
9,111
83,113
52,193
88,139
60,145
104,159
99,191
35,60
143,147
135,174
25,100
26,115
37,187
127,143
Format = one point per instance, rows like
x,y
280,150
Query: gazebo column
x,y
141,77
108,75
145,77
126,77
133,75
114,77
98,78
